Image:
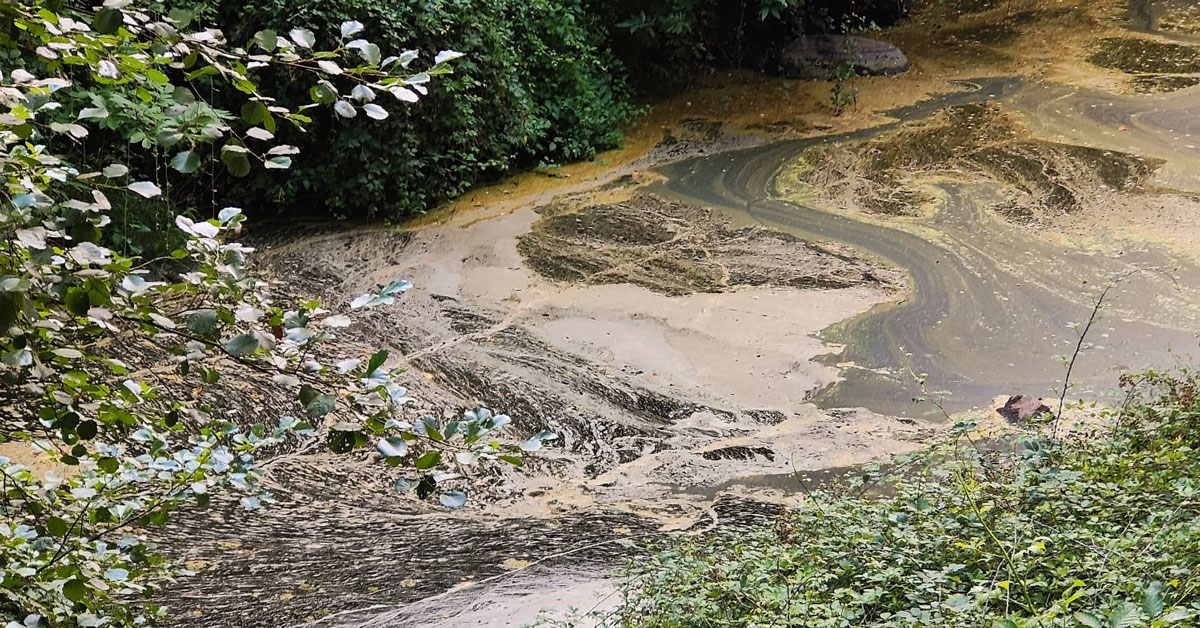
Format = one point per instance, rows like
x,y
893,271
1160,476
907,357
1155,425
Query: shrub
x,y
116,367
666,43
537,85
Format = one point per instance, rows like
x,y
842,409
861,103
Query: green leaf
x,y
108,465
376,361
1089,619
255,112
181,17
267,40
323,93
77,301
202,322
320,405
1152,602
430,460
1124,616
307,393
75,590
317,403
235,159
207,70
242,345
10,306
107,21
168,137
513,460
56,526
186,162
1177,614
183,95
87,430
341,442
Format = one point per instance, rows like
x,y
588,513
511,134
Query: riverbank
x,y
664,307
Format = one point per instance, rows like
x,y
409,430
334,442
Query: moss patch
x,y
1158,83
1181,18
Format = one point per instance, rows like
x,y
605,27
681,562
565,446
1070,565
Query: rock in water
x,y
819,56
1019,409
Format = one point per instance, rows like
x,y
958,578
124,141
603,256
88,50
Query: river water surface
x,y
991,305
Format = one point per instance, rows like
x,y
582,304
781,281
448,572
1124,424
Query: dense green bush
x,y
1097,531
537,85
666,43
133,387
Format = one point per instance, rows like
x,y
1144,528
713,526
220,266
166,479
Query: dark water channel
x,y
990,304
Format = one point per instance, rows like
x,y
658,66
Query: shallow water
x,y
990,304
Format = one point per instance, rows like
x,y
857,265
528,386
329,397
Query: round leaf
x,y
344,109
108,20
186,162
392,447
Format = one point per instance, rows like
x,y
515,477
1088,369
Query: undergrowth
x,y
1099,529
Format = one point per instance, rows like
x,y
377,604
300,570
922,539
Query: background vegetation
x,y
537,84
542,82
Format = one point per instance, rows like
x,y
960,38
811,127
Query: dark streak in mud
x,y
675,249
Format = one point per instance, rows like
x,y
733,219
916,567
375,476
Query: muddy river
x,y
990,304
761,294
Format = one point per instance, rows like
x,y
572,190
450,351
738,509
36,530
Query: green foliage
x,y
537,86
1101,531
843,94
103,355
666,43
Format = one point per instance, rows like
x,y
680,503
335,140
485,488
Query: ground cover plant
x,y
1100,529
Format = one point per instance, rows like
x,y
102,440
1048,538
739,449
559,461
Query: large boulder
x,y
820,56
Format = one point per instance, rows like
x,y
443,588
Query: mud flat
x,y
668,347
715,310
